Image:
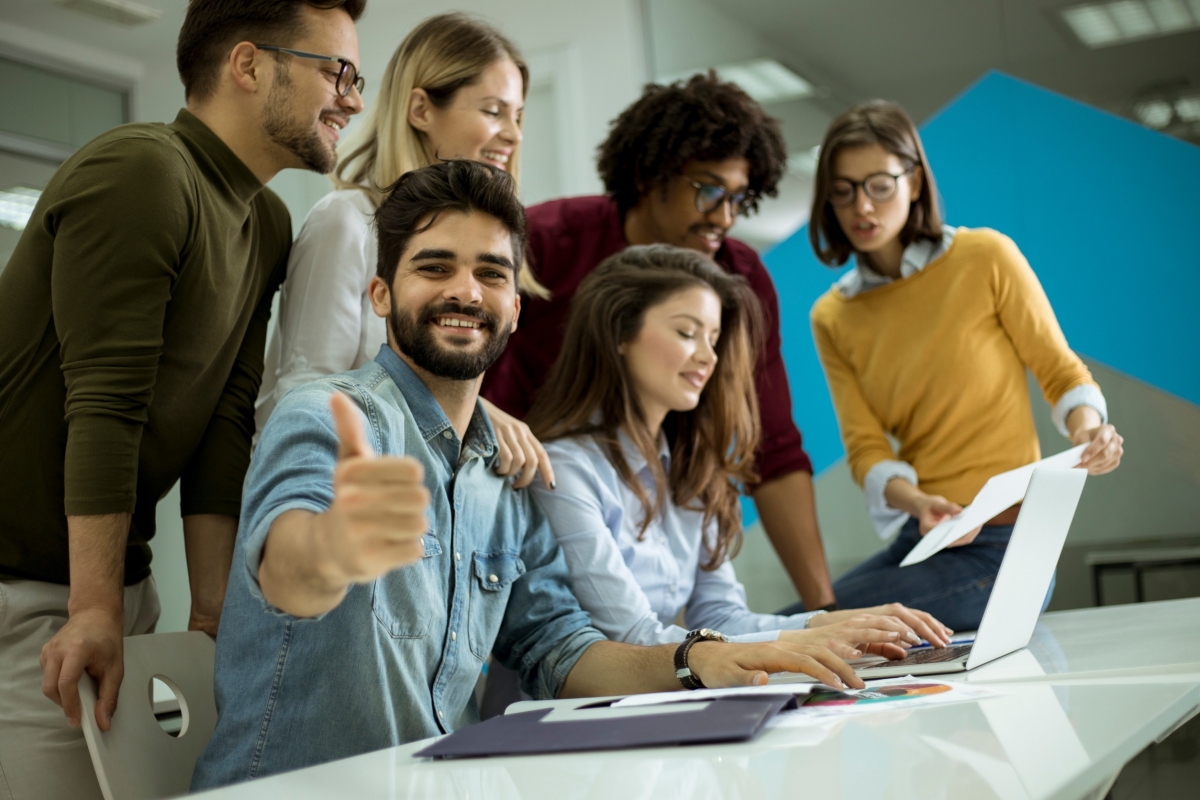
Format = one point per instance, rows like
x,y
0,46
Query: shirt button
x,y
441,715
458,556
453,636
493,579
448,434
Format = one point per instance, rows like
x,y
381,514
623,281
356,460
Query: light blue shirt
x,y
634,586
398,659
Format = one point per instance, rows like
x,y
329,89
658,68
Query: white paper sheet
x,y
1000,492
658,698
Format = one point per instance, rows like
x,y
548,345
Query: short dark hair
x,y
212,27
701,119
886,124
458,185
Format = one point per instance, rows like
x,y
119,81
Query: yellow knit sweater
x,y
938,361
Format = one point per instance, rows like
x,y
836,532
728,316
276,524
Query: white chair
x,y
136,759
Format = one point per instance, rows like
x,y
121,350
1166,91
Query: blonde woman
x,y
455,88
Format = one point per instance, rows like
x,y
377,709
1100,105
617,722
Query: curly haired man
x,y
679,166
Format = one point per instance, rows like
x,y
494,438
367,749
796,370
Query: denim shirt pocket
x,y
494,576
400,597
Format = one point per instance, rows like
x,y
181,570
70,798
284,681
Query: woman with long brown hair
x,y
651,419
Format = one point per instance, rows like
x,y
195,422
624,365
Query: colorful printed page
x,y
892,693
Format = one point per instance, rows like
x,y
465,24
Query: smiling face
x,y
303,112
453,302
670,216
482,121
672,357
870,225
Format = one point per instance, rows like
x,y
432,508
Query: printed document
x,y
999,493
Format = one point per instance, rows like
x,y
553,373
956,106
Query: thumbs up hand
x,y
377,517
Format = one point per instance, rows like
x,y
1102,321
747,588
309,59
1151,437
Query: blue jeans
x,y
953,584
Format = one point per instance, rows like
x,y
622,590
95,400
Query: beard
x,y
415,337
298,138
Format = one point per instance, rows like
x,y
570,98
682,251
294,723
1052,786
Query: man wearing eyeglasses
x,y
133,317
679,166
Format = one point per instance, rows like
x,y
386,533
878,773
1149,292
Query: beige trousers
x,y
41,756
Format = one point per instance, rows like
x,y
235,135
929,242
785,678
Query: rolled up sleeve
x,y
544,631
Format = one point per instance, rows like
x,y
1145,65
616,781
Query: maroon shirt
x,y
567,240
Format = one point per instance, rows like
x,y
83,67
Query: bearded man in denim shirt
x,y
367,590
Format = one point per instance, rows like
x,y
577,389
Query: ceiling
x,y
921,53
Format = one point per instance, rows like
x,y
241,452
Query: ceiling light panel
x,y
121,11
764,79
1105,24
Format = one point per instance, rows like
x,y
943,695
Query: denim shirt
x,y
398,659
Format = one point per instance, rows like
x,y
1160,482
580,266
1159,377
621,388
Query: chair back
x,y
136,759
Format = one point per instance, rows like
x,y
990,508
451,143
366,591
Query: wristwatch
x,y
685,675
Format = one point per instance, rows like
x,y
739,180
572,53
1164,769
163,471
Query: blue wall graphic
x,y
1106,211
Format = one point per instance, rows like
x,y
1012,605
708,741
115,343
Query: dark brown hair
x,y
458,185
886,124
588,391
700,119
212,27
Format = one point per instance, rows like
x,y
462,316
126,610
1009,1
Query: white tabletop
x,y
1143,641
1083,700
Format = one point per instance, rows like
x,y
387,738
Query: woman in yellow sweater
x,y
925,343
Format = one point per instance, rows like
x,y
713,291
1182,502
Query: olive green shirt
x,y
133,318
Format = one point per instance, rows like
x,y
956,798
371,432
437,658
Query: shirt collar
x,y
426,412
215,157
917,256
633,456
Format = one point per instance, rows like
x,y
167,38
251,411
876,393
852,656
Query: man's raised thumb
x,y
352,437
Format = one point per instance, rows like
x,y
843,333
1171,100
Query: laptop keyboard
x,y
926,655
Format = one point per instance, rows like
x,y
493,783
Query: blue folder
x,y
734,719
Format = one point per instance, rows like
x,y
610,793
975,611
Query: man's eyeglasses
x,y
709,196
879,187
347,78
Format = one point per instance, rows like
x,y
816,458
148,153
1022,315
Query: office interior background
x,y
1073,127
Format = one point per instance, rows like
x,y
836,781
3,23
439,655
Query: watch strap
x,y
683,672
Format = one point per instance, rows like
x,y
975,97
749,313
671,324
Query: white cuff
x,y
1085,394
750,638
887,520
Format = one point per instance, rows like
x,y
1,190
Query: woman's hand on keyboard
x,y
922,623
856,636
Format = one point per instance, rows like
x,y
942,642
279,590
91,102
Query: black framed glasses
x,y
710,196
879,187
347,78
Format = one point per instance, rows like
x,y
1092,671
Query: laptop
x,y
1020,589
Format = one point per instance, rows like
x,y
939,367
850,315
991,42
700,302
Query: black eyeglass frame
x,y
738,201
358,82
855,185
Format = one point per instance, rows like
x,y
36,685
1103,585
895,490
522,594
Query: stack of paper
x,y
999,493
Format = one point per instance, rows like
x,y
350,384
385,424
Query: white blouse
x,y
326,323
